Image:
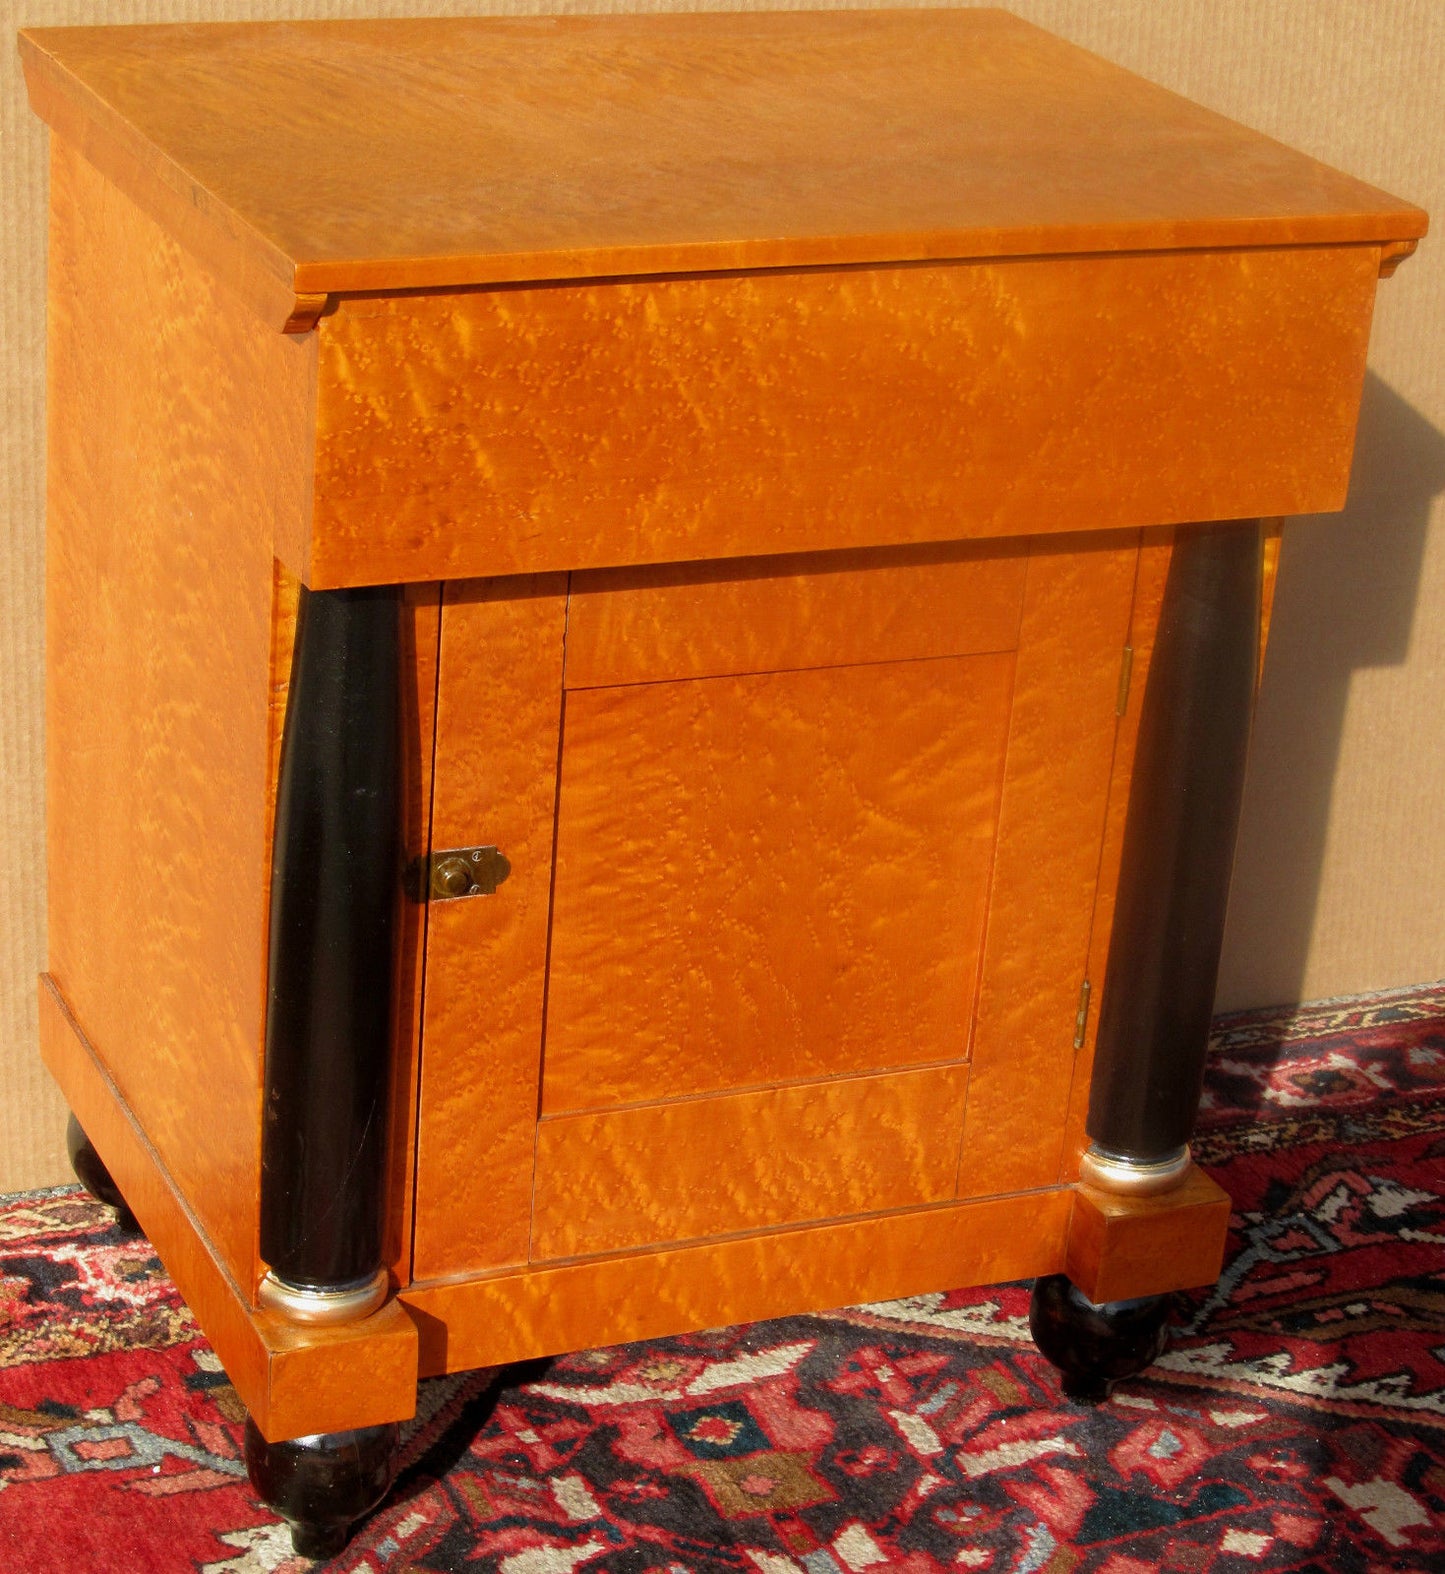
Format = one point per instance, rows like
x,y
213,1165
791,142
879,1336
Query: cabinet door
x,y
758,816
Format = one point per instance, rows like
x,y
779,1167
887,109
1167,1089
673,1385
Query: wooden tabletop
x,y
363,155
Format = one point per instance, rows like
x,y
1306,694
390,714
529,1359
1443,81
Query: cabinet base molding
x,y
546,1309
298,1380
293,1380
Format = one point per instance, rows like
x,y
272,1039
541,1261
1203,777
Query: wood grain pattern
x,y
1155,547
768,878
285,608
179,451
747,1161
1051,819
1121,1247
427,153
771,614
255,272
498,714
293,1380
642,1295
563,428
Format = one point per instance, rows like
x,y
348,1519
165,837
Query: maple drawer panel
x,y
695,1167
574,426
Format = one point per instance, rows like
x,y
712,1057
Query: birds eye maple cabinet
x,y
652,621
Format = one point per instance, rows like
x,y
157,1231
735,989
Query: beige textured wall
x,y
1342,854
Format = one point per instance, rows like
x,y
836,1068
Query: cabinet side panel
x,y
179,449
499,704
1051,824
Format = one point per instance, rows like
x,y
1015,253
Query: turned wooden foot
x,y
1095,1346
91,1172
322,1485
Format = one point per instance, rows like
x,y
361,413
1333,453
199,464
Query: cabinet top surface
x,y
394,154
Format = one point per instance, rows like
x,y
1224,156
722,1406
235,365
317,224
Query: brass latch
x,y
461,871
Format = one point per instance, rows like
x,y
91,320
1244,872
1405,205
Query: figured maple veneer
x,y
1055,791
1121,1247
432,152
772,614
292,1380
644,1294
781,420
760,878
499,706
822,835
770,877
569,427
746,1161
173,452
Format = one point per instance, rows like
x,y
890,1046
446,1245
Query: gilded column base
x,y
1129,1177
347,1303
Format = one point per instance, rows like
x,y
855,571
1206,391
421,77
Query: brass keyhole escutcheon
x,y
465,871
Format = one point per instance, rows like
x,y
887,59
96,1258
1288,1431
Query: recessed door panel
x,y
773,877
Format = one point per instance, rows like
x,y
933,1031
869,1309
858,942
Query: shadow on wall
x,y
1347,596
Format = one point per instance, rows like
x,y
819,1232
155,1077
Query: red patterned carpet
x,y
1296,1422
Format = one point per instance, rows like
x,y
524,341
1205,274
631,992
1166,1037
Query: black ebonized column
x,y
1178,847
335,883
1168,928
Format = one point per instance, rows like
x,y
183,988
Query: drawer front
x,y
573,426
739,973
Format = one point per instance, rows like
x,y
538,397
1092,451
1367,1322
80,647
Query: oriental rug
x,y
1297,1421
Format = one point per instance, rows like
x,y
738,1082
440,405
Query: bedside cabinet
x,y
652,628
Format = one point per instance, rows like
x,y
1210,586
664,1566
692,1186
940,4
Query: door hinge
x,y
457,872
1081,1017
1126,669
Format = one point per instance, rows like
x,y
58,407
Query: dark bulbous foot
x,y
91,1172
322,1485
1095,1346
